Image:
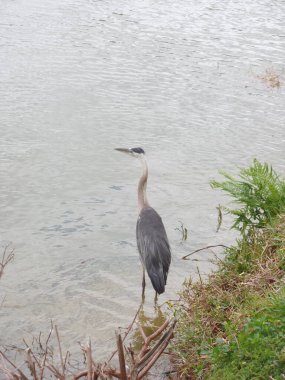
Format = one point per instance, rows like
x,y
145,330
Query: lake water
x,y
80,78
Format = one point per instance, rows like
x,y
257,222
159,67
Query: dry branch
x,y
40,365
45,353
139,364
89,361
147,340
154,358
121,357
202,249
13,373
60,351
151,352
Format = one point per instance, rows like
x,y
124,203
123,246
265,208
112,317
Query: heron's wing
x,y
153,247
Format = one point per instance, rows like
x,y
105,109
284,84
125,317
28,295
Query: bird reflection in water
x,y
149,324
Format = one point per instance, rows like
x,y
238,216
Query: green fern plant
x,y
259,191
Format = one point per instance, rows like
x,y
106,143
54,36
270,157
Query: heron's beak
x,y
124,150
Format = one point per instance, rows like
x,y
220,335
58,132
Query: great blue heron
x,y
152,240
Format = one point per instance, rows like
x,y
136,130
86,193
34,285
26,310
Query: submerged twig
x,y
5,260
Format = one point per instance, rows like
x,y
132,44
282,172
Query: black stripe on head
x,y
138,150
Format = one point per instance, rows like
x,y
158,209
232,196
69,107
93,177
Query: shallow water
x,y
79,78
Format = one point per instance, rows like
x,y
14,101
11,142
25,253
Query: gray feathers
x,y
153,247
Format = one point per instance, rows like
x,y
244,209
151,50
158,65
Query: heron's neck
x,y
142,199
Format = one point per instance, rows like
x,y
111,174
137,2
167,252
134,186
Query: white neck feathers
x,y
142,198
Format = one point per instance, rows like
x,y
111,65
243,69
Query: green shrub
x,y
260,192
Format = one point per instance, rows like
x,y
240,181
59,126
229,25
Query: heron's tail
x,y
158,280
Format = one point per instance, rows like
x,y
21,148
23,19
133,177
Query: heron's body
x,y
153,247
152,240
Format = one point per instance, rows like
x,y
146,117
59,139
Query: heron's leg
x,y
155,299
143,284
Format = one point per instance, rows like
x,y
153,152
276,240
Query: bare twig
x,y
151,337
60,350
121,357
32,363
23,377
55,371
29,354
80,374
145,355
67,355
167,336
89,361
202,249
45,354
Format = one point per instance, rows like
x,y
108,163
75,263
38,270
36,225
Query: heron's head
x,y
135,152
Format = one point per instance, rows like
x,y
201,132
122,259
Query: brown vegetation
x,y
40,363
270,78
37,360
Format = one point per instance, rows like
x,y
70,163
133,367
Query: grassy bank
x,y
232,326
